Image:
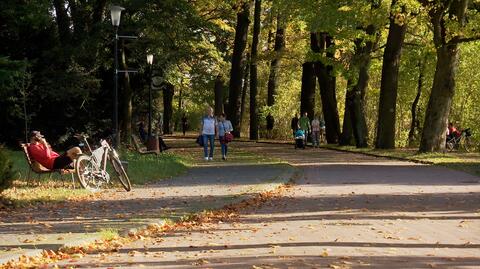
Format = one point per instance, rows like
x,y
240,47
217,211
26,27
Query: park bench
x,y
39,169
140,147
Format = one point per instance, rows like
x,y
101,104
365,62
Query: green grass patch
x,y
26,196
108,233
53,187
235,155
141,168
148,168
462,161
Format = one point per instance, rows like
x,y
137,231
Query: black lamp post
x,y
150,63
116,12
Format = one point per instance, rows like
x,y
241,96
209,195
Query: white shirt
x,y
209,124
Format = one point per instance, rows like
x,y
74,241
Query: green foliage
x,y
7,172
66,85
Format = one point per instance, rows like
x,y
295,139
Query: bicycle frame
x,y
99,155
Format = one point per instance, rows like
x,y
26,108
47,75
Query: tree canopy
x,y
56,67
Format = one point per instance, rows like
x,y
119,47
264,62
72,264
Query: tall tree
x,y
253,72
246,84
322,44
364,46
218,88
346,137
236,73
168,92
307,96
388,89
63,21
422,64
274,66
444,16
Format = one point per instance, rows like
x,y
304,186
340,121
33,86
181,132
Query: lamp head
x,y
116,12
150,59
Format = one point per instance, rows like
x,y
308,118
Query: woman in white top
x,y
208,130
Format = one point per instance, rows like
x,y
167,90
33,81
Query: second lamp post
x,y
150,65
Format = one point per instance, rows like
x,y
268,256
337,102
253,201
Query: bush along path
x,y
345,211
68,225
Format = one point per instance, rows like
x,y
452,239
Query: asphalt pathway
x,y
345,211
208,185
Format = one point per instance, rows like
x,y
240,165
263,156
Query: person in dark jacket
x,y
294,124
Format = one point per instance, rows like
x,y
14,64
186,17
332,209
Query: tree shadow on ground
x,y
299,261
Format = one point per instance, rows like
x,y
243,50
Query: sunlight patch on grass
x,y
147,168
26,196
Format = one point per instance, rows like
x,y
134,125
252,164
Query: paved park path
x,y
345,211
208,185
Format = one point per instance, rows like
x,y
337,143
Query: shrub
x,y
6,170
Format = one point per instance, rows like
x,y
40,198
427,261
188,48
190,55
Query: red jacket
x,y
42,154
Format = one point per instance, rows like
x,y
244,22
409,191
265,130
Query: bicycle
x,y
462,141
91,167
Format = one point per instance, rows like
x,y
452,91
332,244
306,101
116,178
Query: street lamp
x,y
150,63
116,12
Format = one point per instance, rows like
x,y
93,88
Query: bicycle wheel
x,y
121,174
467,144
85,173
450,145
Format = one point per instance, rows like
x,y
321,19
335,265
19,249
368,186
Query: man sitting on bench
x,y
41,152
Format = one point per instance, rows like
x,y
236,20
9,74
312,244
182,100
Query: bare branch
x,y
464,40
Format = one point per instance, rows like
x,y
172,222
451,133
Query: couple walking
x,y
211,127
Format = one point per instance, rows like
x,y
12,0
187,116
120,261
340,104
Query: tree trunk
x,y
413,125
319,43
274,65
361,62
245,89
63,22
98,12
253,72
219,87
79,19
346,138
236,73
168,92
307,96
357,113
389,85
438,109
443,88
127,95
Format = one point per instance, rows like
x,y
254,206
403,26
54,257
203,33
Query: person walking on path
x,y
304,124
294,124
322,130
208,129
315,132
224,129
184,123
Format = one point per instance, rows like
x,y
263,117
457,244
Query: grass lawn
x,y
54,187
463,161
141,169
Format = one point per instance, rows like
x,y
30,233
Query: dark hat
x,y
36,134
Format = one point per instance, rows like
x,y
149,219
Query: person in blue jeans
x,y
224,127
208,130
